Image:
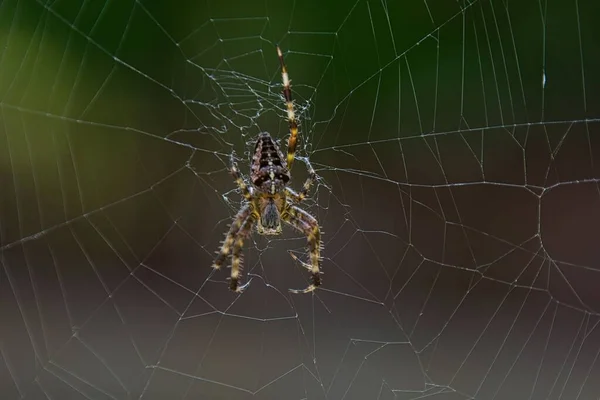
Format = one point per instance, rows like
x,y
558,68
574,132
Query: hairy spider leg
x,y
236,256
235,172
287,93
229,240
312,176
307,224
239,219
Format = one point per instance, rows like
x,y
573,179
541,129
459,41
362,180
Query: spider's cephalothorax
x,y
267,199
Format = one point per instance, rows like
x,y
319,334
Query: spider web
x,y
458,194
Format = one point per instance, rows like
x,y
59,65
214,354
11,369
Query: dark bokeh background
x,y
458,154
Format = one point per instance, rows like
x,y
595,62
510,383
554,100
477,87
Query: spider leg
x,y
307,224
293,194
287,93
234,229
312,176
237,177
305,265
236,256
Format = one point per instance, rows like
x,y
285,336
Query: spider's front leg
x,y
239,219
236,256
307,224
234,230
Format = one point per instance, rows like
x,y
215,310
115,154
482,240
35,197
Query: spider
x,y
267,199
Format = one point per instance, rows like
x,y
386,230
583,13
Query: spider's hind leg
x,y
287,93
237,177
312,177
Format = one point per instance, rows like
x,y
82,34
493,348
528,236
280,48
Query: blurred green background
x,y
456,148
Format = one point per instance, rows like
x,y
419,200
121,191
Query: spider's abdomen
x,y
268,171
